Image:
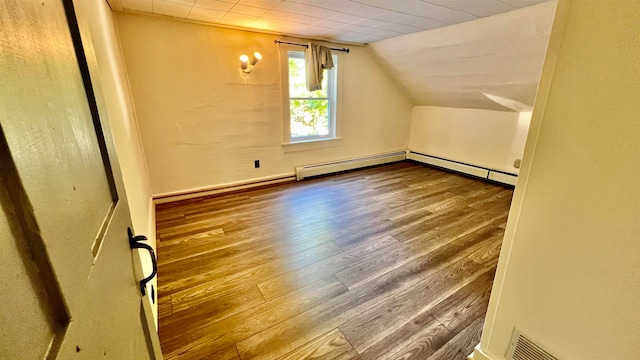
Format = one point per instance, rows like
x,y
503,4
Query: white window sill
x,y
311,145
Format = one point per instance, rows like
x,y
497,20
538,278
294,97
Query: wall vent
x,y
522,347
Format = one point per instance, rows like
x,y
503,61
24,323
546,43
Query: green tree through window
x,y
311,114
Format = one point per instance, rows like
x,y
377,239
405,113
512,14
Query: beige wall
x,y
113,78
486,138
569,271
203,124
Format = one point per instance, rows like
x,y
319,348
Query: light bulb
x,y
256,57
243,62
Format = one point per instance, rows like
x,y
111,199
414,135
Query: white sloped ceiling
x,y
490,63
350,21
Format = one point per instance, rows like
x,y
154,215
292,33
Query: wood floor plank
x,y
179,269
464,306
219,286
166,216
189,227
379,321
413,229
423,330
443,201
184,280
164,306
229,353
294,332
301,277
394,261
356,214
476,192
353,234
415,201
458,224
287,240
220,307
203,337
190,240
373,267
189,246
488,255
425,334
218,257
462,344
333,313
329,346
499,198
501,222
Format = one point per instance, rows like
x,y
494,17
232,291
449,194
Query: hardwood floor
x,y
390,262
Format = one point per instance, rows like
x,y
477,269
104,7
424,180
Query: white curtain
x,y
316,58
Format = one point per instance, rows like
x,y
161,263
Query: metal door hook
x,y
134,243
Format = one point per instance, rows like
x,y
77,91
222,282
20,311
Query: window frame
x,y
335,109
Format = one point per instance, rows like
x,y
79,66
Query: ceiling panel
x,y
351,21
480,8
264,4
214,4
249,10
171,8
207,15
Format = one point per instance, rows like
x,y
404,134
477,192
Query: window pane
x,y
309,117
298,82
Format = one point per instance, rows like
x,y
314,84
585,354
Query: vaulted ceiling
x,y
491,63
484,54
350,21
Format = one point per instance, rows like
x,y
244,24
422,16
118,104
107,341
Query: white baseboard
x,y
349,164
302,172
468,169
503,178
222,188
478,354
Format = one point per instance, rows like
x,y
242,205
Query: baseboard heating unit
x,y
473,170
344,165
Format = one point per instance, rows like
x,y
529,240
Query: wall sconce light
x,y
247,65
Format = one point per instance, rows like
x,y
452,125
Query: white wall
x,y
486,138
113,78
203,124
489,63
569,271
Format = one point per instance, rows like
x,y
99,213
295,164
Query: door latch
x,y
135,243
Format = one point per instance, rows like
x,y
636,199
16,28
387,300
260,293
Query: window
x,y
309,115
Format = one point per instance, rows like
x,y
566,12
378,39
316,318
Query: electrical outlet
x,y
256,164
516,164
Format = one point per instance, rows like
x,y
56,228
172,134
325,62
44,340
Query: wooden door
x,y
67,285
